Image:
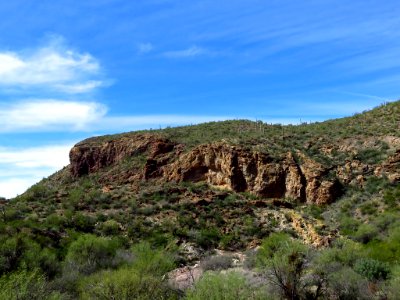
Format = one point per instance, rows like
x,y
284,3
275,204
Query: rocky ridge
x,y
220,165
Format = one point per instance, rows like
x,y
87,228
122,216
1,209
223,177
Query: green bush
x,y
82,222
229,286
392,197
11,250
365,233
284,263
22,252
90,253
372,269
388,249
343,251
347,284
142,279
272,244
124,284
207,238
147,260
35,257
25,285
348,225
109,227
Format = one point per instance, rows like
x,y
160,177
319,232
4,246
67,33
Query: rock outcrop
x,y
391,167
88,157
234,168
218,164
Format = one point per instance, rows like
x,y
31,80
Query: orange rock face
x,y
87,157
218,164
240,170
391,167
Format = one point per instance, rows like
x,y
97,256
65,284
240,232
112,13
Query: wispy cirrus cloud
x,y
144,48
189,52
52,66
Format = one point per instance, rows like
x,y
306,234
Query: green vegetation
x,y
229,286
110,235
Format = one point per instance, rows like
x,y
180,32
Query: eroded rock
x,y
218,164
88,157
240,170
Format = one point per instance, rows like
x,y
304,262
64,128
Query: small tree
x,y
284,261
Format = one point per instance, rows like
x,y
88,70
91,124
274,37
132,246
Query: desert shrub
x,y
82,222
147,260
315,211
347,284
388,249
365,233
141,279
348,225
186,219
370,156
124,284
75,196
372,269
252,227
392,197
207,238
147,210
229,200
284,262
272,244
343,251
24,285
56,221
37,191
35,257
369,208
386,220
22,252
109,227
10,214
216,263
229,286
392,287
90,253
227,241
159,239
374,184
11,250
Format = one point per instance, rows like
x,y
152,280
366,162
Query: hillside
x,y
330,188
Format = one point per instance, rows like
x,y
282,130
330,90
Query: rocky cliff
x,y
219,164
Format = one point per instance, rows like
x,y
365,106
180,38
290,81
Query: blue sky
x,y
74,69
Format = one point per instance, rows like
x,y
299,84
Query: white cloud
x,y
50,67
12,187
145,48
37,157
21,168
49,115
189,52
80,88
63,116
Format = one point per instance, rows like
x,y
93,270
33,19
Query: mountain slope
x,y
225,185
